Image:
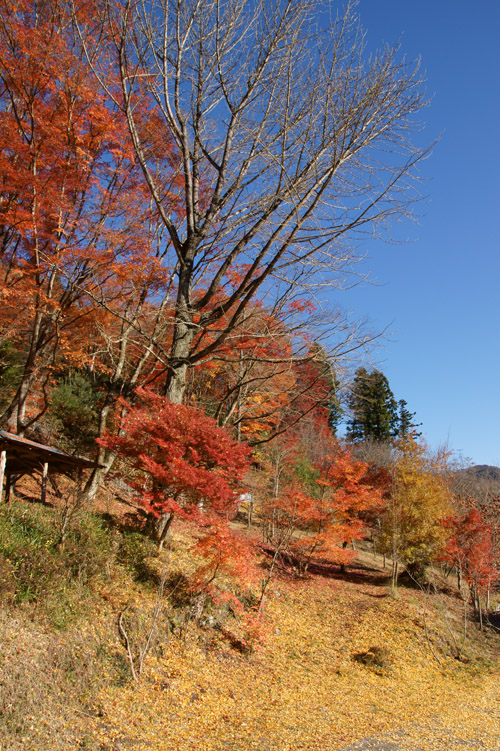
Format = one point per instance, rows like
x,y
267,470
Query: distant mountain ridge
x,y
484,471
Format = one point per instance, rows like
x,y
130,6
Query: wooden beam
x,y
3,463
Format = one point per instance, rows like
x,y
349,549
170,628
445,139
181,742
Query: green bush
x,y
73,412
34,569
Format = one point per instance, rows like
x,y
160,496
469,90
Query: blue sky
x,y
438,292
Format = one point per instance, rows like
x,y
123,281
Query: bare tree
x,y
291,141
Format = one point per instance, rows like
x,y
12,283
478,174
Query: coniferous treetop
x,y
375,413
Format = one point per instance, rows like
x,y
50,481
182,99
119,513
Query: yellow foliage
x,y
420,500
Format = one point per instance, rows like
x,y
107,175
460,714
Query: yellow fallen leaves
x,y
302,689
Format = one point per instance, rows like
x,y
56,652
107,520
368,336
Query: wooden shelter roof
x,y
25,456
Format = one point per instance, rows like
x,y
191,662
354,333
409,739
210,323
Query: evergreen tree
x,y
405,424
335,411
375,413
332,400
73,412
10,371
373,408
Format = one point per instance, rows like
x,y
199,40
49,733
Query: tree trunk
x,y
16,411
3,463
343,567
161,527
104,458
250,511
395,573
182,340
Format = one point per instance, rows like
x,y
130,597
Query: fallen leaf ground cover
x,y
341,660
304,689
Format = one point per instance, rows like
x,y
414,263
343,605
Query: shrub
x,y
73,412
34,569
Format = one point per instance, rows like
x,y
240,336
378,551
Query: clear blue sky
x,y
440,291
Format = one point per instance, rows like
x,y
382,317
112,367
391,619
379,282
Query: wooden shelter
x,y
20,456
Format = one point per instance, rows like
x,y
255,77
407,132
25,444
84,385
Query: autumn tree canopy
x,y
290,141
179,462
69,237
420,499
470,549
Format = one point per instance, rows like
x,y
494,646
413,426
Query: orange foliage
x,y
77,230
324,522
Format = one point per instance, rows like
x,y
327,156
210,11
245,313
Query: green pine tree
x,y
373,408
406,426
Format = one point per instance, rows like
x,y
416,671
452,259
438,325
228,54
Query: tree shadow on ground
x,y
134,548
29,497
356,573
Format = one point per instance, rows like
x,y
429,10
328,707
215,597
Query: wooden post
x,y
8,486
3,463
45,473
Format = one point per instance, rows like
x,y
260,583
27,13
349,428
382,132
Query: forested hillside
x,y
262,551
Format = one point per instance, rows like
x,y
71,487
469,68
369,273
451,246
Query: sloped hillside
x,y
334,660
484,471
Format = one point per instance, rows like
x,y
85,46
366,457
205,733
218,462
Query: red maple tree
x,y
179,462
470,550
